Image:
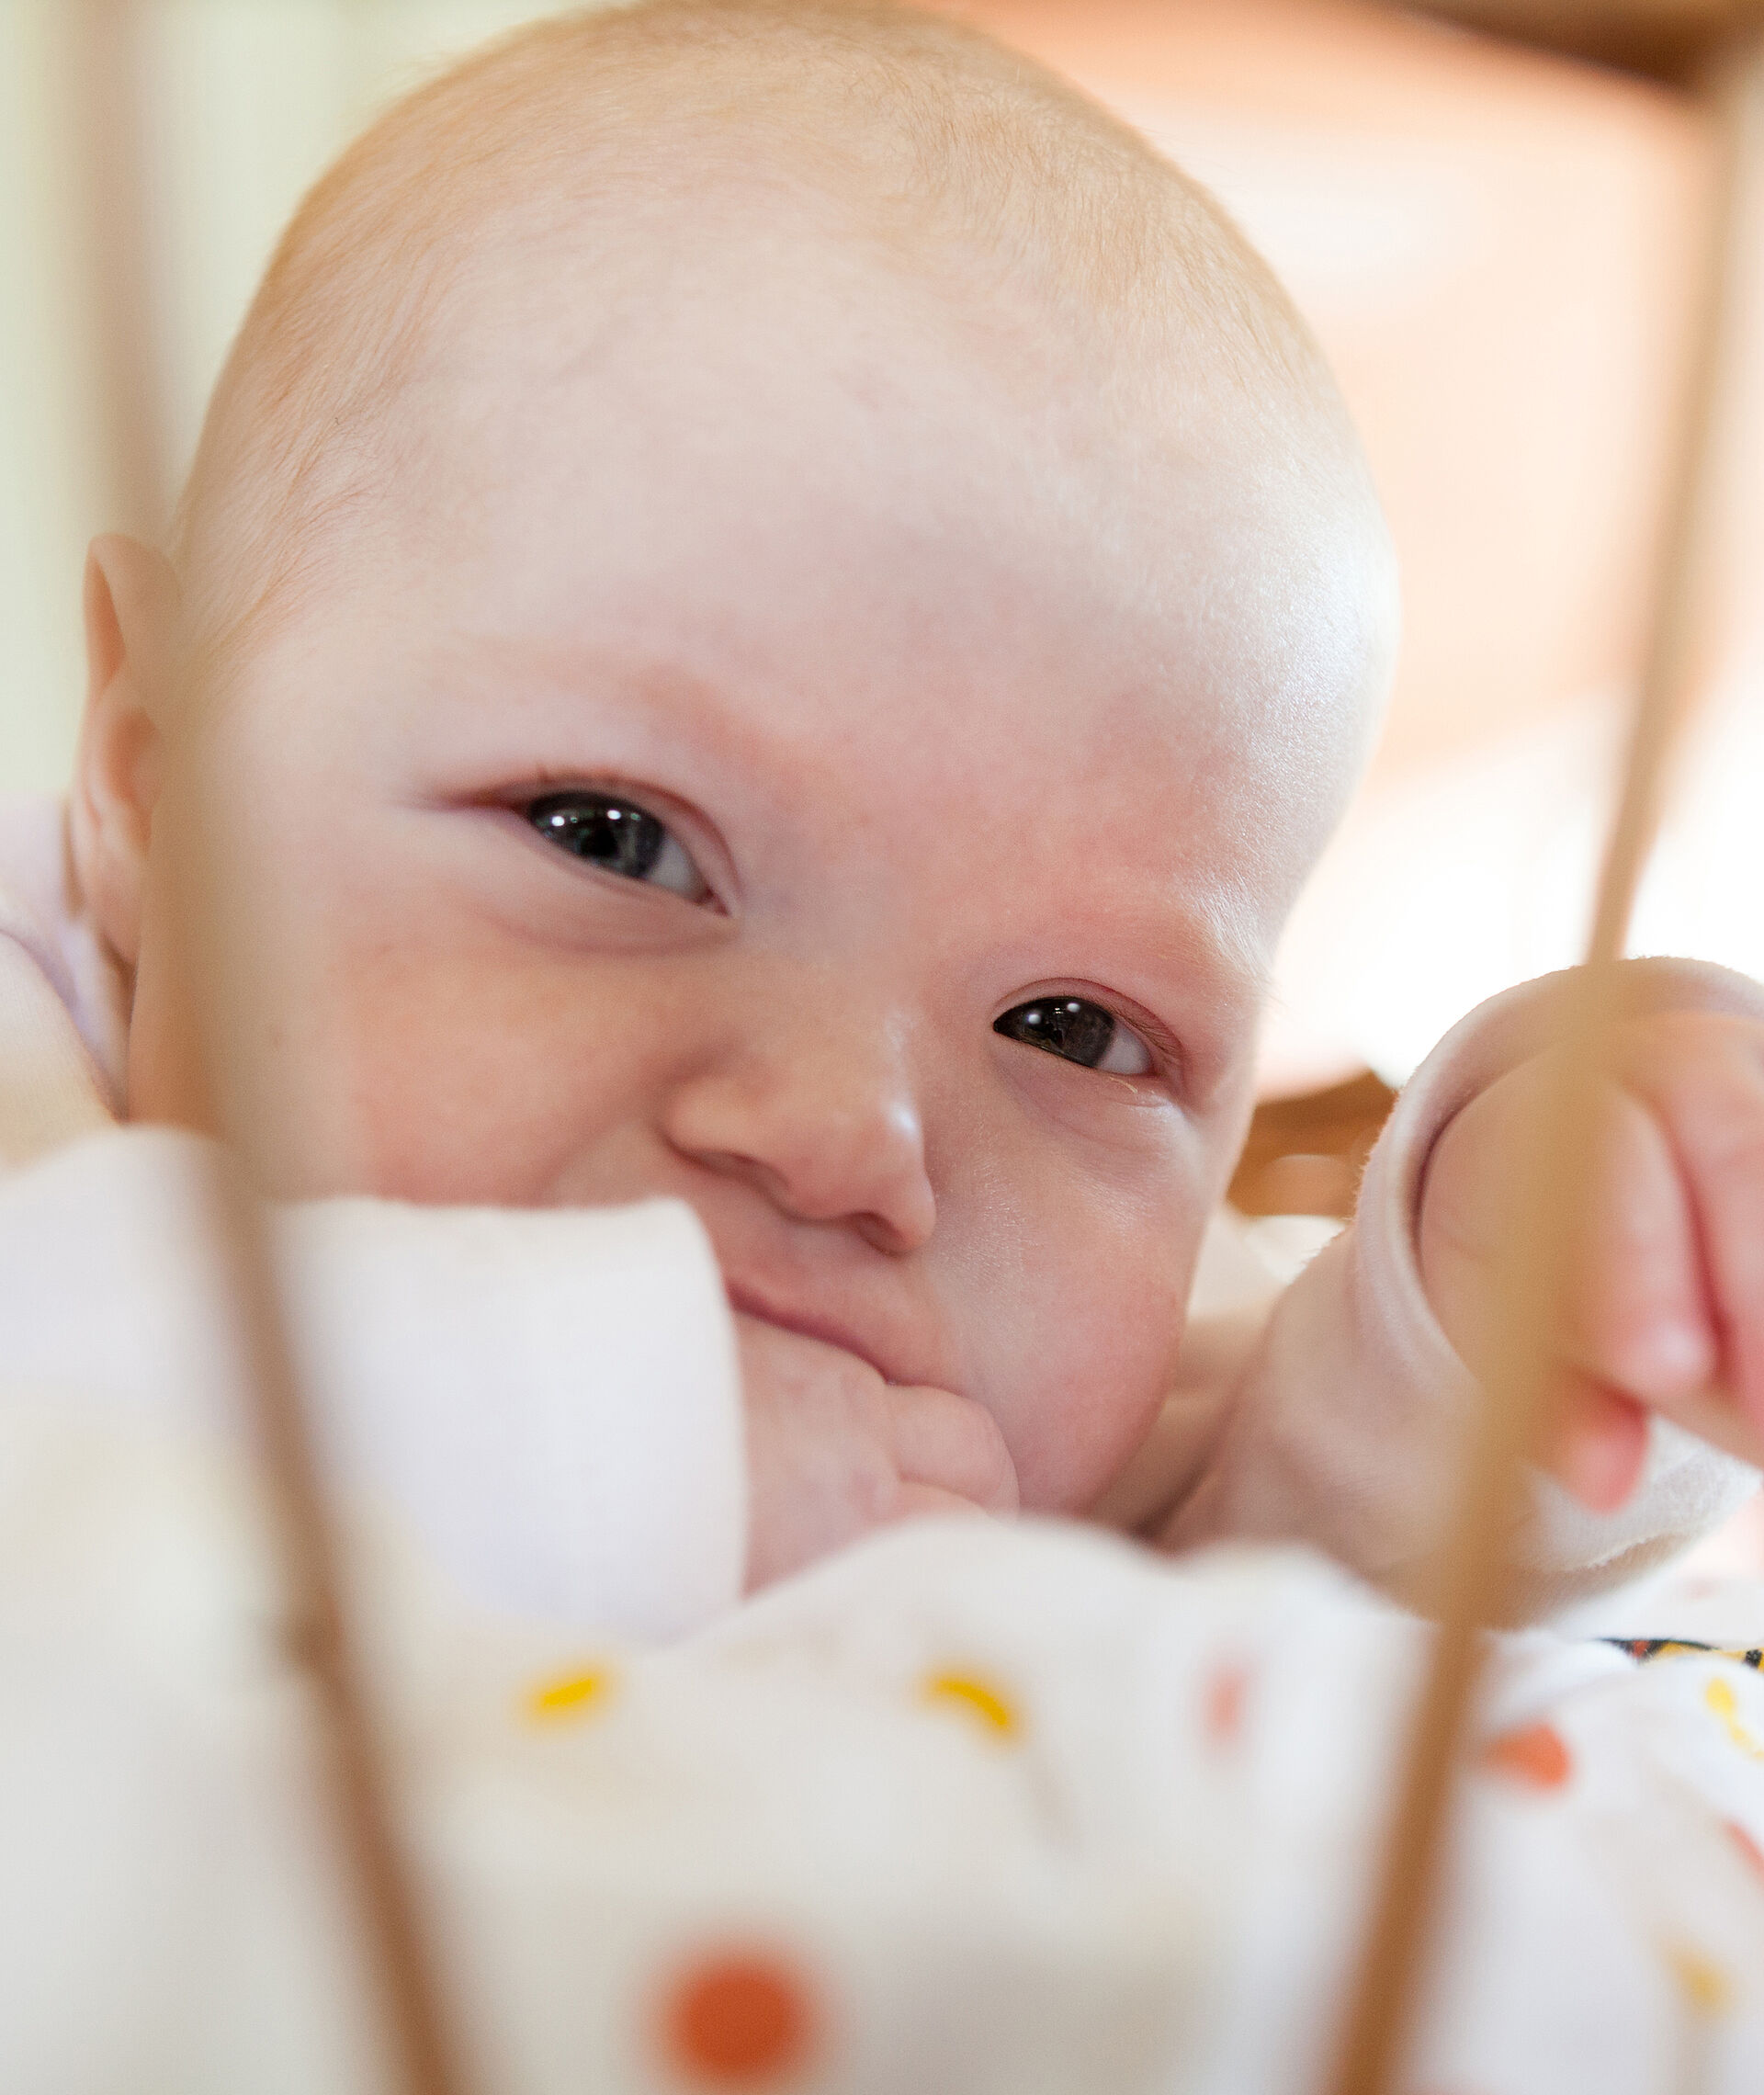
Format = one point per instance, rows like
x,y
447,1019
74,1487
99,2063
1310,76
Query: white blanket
x,y
1005,1811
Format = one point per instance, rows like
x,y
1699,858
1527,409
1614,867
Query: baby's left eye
x,y
615,834
1077,1031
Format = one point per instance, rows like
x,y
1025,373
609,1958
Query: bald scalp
x,y
588,134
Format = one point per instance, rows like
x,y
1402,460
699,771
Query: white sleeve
x,y
547,1400
48,1086
1344,1419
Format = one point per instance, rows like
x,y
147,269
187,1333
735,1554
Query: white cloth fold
x,y
548,1399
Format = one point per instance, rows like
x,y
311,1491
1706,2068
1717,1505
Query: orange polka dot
x,y
740,2019
1748,1847
1537,1756
1222,1708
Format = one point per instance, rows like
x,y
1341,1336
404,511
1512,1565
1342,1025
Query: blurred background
x,y
1495,223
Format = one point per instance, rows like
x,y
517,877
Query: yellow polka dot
x,y
1724,1704
567,1695
975,1697
1705,1985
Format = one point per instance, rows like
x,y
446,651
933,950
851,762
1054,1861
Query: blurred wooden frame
x,y
1669,40
1331,1131
1471,1579
1304,1155
358,1787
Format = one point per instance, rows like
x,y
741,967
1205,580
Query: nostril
x,y
891,1237
826,1144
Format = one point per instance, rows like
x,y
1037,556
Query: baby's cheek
x,y
162,1086
458,1089
1094,1361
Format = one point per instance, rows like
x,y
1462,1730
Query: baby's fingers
x,y
917,1500
951,1444
1600,1443
1704,1079
1638,1319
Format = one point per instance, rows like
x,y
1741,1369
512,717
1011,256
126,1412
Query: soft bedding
x,y
971,1807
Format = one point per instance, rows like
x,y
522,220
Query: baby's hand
x,y
833,1449
1667,1307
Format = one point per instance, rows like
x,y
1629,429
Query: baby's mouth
x,y
747,1301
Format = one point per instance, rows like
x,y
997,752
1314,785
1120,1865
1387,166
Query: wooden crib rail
x,y
105,42
1473,1577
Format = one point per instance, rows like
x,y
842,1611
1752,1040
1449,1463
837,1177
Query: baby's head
x,y
783,609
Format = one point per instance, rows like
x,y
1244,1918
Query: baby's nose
x,y
822,1116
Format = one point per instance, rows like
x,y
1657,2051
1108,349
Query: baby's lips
x,y
879,1343
820,1330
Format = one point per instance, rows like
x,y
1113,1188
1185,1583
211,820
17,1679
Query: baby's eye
x,y
619,837
1080,1032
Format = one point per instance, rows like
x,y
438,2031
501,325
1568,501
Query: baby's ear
x,y
131,605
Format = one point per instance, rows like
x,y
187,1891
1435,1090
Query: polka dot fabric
x,y
974,1807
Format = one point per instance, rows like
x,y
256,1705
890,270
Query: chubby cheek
x,y
1085,1353
163,1083
435,1070
483,1084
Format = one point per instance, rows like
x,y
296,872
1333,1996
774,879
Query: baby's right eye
x,y
617,835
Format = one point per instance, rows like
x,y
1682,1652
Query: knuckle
x,y
1691,1049
994,1472
1731,1146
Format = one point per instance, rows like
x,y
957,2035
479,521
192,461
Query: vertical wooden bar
x,y
105,40
108,39
358,1788
1473,1579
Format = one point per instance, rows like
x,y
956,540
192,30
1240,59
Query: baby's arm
x,y
1342,1425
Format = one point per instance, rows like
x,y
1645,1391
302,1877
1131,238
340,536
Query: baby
x,y
780,610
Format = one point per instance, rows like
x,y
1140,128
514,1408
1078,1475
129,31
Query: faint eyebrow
x,y
578,672
1201,968
1211,935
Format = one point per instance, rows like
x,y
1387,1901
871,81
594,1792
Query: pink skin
x,y
856,625
1667,1307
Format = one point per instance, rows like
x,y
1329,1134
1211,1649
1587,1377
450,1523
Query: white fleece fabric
x,y
551,1400
971,1807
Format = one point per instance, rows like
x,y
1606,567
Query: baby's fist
x,y
1666,1308
833,1449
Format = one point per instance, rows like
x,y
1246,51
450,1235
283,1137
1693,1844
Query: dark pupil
x,y
610,833
1080,1032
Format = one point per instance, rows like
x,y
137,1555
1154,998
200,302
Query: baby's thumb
x,y
951,1445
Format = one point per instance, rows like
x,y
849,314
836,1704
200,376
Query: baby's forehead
x,y
732,314
622,150
892,620
818,457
